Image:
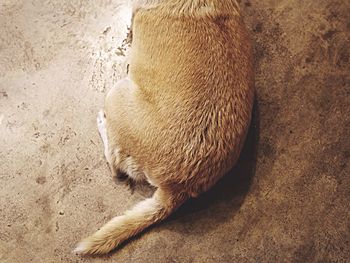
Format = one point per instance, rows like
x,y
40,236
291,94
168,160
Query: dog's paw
x,y
101,119
101,122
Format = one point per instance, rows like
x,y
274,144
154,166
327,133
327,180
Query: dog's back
x,y
195,78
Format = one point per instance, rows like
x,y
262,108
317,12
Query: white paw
x,y
101,120
101,125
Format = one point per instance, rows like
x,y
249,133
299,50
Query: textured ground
x,y
286,201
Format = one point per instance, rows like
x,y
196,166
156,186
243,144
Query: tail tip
x,y
81,248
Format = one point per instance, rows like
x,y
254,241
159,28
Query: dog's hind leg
x,y
101,125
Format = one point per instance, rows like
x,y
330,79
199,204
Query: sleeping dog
x,y
180,117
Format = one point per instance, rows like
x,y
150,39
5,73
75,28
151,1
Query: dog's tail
x,y
121,228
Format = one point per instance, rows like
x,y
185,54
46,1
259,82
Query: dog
x,y
180,117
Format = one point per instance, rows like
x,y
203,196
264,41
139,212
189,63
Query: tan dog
x,y
180,118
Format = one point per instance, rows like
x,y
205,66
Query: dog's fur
x,y
180,118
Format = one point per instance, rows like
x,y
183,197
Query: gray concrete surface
x,y
287,200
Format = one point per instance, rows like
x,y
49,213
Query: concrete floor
x,y
288,198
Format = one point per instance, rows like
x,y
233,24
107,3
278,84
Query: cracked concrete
x,y
287,200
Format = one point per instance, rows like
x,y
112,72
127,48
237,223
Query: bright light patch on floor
x,y
125,14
